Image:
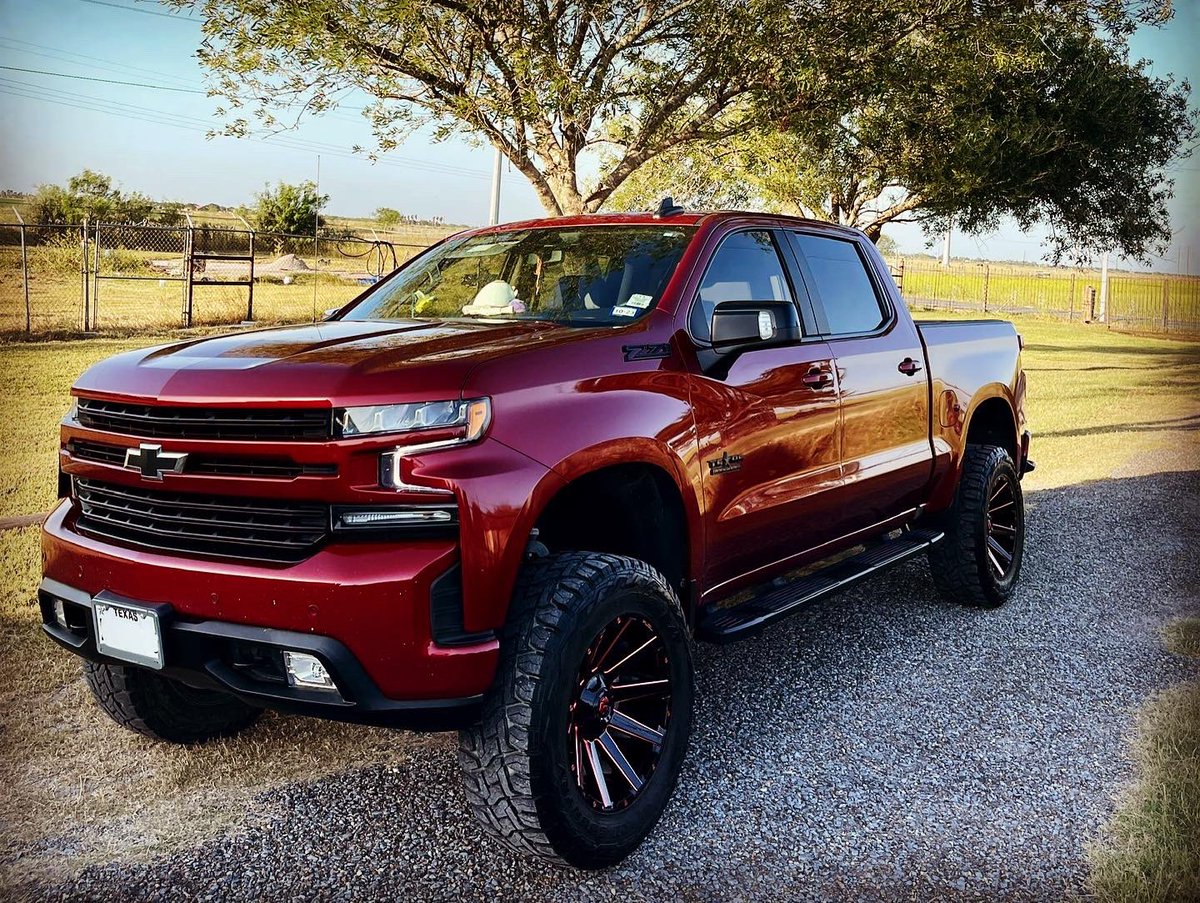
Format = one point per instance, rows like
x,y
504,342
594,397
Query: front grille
x,y
201,524
207,465
250,424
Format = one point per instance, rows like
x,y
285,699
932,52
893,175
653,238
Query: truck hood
x,y
345,362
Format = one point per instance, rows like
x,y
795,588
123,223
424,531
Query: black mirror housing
x,y
741,325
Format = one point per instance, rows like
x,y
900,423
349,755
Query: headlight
x,y
473,415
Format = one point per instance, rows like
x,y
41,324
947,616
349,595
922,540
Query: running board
x,y
725,625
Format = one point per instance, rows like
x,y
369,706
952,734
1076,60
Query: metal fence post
x,y
25,275
1166,319
96,278
1071,297
188,269
987,271
250,301
83,275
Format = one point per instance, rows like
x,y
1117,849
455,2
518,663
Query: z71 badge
x,y
727,463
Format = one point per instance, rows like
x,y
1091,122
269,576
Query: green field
x,y
1141,301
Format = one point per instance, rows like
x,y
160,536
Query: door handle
x,y
909,367
817,379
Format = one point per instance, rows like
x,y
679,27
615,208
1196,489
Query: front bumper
x,y
364,609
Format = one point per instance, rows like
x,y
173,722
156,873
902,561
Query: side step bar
x,y
725,625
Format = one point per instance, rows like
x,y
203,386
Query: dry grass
x,y
1151,848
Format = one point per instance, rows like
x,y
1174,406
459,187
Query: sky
x,y
155,141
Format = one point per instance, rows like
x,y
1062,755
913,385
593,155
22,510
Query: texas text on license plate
x,y
129,632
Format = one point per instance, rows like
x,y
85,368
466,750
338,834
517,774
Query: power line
x,y
148,12
107,81
96,62
176,120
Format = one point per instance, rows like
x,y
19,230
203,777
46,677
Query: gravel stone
x,y
882,745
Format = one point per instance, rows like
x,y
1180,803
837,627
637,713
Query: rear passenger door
x,y
886,456
767,420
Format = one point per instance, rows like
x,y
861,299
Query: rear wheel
x,y
166,709
979,560
583,736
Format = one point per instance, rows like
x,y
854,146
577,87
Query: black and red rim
x,y
1003,527
619,712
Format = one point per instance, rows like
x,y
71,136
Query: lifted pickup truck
x,y
504,489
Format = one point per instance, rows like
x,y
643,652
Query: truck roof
x,y
650,218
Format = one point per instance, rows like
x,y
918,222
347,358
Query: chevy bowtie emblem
x,y
153,462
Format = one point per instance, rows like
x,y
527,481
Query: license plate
x,y
128,632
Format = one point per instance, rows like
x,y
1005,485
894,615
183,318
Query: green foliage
x,y
551,84
1026,112
170,213
288,209
88,196
386,216
92,196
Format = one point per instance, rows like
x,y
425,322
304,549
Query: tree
x,y
553,83
288,209
88,196
170,213
1032,114
387,217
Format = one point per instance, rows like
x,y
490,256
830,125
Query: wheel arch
x,y
626,505
992,420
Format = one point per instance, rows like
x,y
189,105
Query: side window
x,y
846,291
746,267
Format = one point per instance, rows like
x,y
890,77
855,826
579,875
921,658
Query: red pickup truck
x,y
506,488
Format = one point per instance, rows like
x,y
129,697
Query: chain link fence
x,y
60,280
1148,302
121,279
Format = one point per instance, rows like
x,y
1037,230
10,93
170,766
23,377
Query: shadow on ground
x,y
883,744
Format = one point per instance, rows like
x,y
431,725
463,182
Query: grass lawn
x,y
1151,849
1101,404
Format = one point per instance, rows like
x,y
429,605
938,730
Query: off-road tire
x,y
959,563
514,762
166,709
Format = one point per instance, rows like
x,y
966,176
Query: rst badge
x,y
727,463
153,462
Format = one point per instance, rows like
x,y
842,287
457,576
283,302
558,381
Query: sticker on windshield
x,y
623,310
642,301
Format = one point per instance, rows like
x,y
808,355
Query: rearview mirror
x,y
741,325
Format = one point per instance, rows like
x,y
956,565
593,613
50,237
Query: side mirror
x,y
326,315
742,325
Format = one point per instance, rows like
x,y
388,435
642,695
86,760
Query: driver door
x,y
768,422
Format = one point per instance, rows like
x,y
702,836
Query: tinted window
x,y
746,267
846,291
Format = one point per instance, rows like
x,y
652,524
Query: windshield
x,y
593,275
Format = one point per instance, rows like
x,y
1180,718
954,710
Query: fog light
x,y
306,671
60,614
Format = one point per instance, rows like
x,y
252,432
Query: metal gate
x,y
151,262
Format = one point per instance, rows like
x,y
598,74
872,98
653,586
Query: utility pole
x,y
1103,315
946,243
494,215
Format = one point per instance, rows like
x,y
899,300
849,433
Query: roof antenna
x,y
667,207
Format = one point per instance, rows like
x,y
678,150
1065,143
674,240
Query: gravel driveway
x,y
882,745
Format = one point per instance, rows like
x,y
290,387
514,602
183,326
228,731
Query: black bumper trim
x,y
199,653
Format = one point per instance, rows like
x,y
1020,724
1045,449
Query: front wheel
x,y
979,560
584,733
